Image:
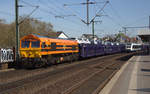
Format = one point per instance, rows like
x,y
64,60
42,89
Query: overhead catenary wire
x,y
65,26
6,13
137,20
53,14
42,9
61,9
68,15
73,12
96,6
27,3
60,27
113,20
77,14
49,12
118,16
28,15
83,3
36,7
59,13
57,9
115,12
65,18
46,4
99,11
87,11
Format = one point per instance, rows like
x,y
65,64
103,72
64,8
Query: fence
x,y
6,55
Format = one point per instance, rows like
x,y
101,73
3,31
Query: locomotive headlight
x,y
37,54
23,55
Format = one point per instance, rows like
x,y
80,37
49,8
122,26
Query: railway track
x,y
90,85
66,79
11,76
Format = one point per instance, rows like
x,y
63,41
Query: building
x,y
61,34
144,35
89,36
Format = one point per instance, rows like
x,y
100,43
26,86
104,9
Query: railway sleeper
x,y
99,67
112,68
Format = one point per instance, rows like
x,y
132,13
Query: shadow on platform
x,y
143,89
145,70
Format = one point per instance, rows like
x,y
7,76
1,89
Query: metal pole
x,y
87,6
17,31
93,29
125,30
149,22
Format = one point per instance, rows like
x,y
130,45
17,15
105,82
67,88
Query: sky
x,y
116,14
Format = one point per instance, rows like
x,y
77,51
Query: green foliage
x,y
119,35
27,26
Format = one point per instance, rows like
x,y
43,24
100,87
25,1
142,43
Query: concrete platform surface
x,y
132,78
12,69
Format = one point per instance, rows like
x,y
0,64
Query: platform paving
x,y
132,78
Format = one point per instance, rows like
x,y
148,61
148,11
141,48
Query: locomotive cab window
x,y
35,44
25,44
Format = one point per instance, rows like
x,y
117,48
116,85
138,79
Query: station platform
x,y
132,78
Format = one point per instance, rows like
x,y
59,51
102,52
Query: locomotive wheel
x,y
25,63
40,63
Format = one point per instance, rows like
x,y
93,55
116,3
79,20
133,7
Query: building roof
x,y
54,34
60,32
144,32
50,34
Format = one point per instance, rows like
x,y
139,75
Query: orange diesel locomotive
x,y
37,51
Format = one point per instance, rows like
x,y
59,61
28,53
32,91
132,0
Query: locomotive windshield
x,y
35,44
25,44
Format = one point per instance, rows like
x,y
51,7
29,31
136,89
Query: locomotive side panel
x,y
40,51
